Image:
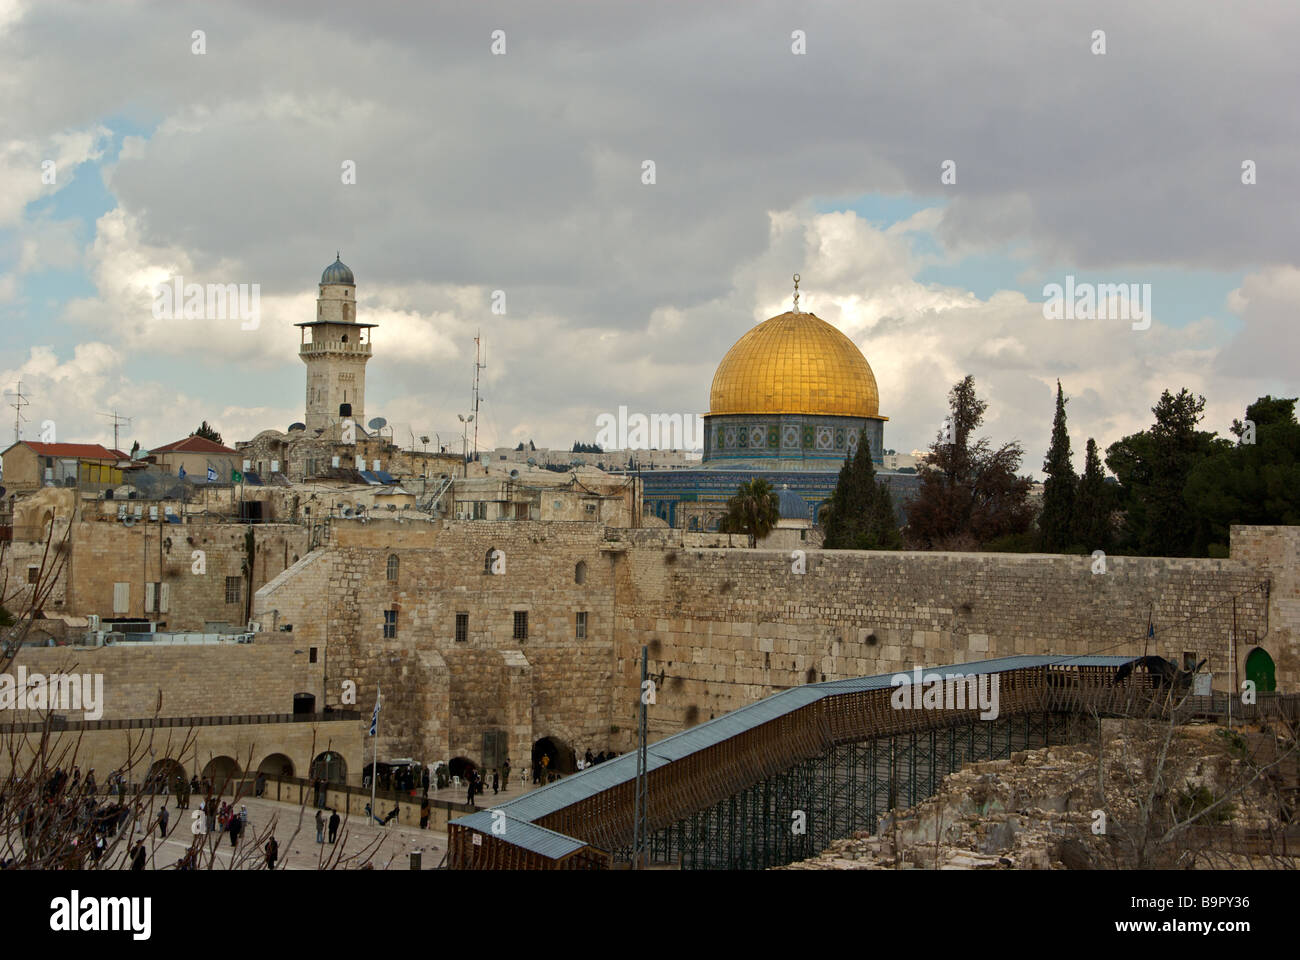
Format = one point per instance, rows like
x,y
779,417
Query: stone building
x,y
790,401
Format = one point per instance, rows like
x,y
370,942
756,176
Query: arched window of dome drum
x,y
580,572
392,566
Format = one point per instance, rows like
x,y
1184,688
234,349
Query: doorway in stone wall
x,y
1260,669
495,749
560,756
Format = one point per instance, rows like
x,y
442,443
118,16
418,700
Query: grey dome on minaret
x,y
338,272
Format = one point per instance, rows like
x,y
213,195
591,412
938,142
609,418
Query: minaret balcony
x,y
334,347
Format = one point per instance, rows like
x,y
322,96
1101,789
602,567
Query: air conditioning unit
x,y
334,462
92,622
254,626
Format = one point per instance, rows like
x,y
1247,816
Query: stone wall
x,y
730,626
441,694
249,745
105,553
141,680
726,625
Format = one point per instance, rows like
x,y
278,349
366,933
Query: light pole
x,y
464,439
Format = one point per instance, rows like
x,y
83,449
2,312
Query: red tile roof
x,y
192,444
82,451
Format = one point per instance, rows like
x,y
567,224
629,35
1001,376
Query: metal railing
x,y
60,723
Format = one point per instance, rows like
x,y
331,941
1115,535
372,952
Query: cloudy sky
x,y
523,172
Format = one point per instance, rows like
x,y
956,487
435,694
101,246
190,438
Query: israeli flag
x,y
374,719
212,475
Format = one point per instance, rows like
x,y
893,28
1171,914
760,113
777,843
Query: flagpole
x,y
374,764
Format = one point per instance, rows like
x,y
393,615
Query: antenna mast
x,y
19,401
117,422
477,367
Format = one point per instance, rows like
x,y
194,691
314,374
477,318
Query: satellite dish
x,y
424,439
532,461
297,426
346,511
378,423
128,521
514,473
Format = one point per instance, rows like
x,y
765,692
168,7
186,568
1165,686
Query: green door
x,y
1259,668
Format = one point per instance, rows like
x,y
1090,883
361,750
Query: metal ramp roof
x,y
604,776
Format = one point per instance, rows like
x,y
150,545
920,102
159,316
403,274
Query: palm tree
x,y
753,510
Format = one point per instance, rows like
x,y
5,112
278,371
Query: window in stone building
x,y
233,589
390,624
581,617
1189,659
521,511
580,572
462,627
32,574
311,655
521,624
392,566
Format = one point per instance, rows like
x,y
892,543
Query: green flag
x,y
236,476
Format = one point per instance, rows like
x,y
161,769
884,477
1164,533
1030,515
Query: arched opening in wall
x,y
221,773
330,766
580,572
461,766
1261,670
276,765
163,773
559,756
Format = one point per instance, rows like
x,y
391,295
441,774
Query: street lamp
x,y
464,438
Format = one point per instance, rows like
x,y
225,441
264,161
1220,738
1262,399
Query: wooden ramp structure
x,y
776,780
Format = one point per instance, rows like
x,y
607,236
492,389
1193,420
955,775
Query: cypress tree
x,y
1056,522
860,515
1092,504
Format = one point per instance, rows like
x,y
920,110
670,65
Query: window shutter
x,y
148,598
121,598
165,597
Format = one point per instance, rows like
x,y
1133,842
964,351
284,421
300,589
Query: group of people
x,y
589,761
63,818
334,821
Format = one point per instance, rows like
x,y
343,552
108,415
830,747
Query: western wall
x,y
724,625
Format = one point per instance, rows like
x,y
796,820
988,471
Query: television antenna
x,y
18,402
118,421
477,367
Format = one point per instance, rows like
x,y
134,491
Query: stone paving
x,y
389,846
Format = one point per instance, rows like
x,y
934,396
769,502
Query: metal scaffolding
x,y
842,791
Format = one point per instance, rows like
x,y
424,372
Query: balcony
x,y
319,349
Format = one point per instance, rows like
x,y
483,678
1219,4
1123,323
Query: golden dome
x,y
795,363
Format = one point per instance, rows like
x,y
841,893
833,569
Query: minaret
x,y
335,351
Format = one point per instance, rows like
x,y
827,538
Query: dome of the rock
x,y
795,363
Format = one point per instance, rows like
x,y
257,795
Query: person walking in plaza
x,y
320,827
234,832
272,853
334,825
424,814
496,782
163,816
505,774
259,785
138,855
